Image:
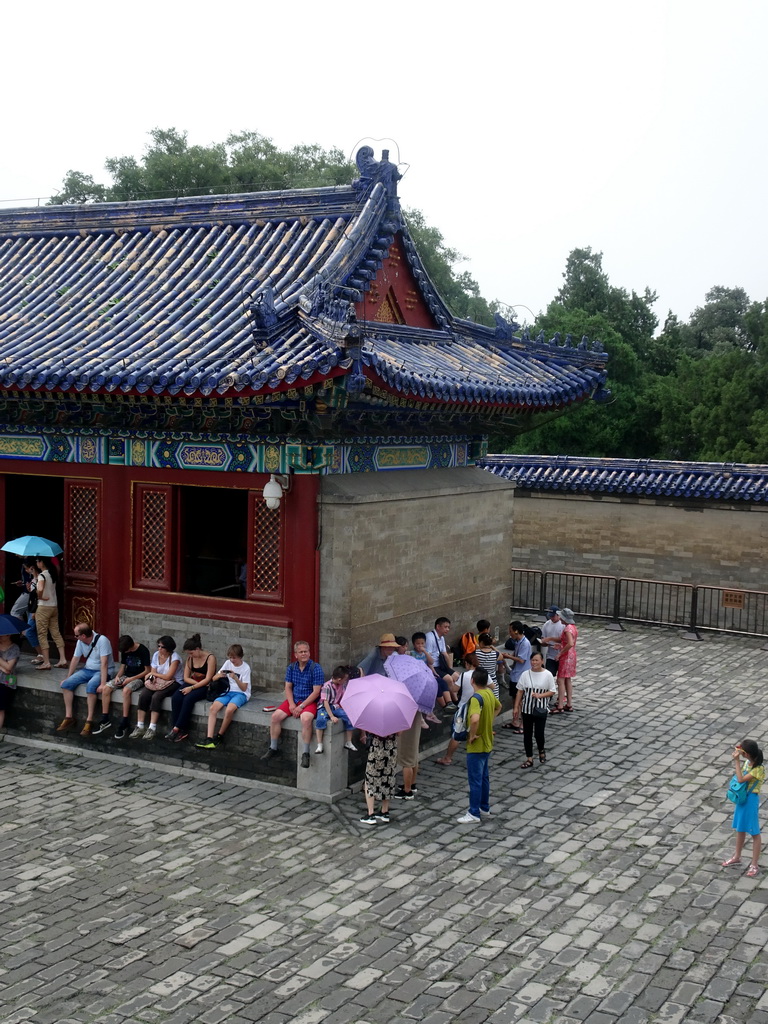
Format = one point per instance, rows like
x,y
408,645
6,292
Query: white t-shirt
x,y
435,646
553,631
243,671
94,652
465,682
165,665
50,600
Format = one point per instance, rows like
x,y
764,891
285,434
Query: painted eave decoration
x,y
239,295
644,477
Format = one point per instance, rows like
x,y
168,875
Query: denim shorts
x,y
90,676
233,697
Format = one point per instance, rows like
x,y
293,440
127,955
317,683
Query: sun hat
x,y
567,616
387,640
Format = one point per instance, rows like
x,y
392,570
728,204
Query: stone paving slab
x,y
594,894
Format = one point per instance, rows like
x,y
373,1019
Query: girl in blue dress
x,y
748,767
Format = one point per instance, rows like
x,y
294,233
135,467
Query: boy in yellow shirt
x,y
483,708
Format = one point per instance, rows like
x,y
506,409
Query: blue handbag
x,y
738,791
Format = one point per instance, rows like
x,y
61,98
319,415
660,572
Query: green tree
x,y
588,304
720,324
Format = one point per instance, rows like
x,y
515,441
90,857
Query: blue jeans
x,y
90,676
479,783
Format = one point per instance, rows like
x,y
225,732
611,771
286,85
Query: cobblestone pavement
x,y
594,893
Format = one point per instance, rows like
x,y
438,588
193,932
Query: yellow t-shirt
x,y
758,776
483,743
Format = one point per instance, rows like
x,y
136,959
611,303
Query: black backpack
x,y
533,635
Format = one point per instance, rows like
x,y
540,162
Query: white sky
x,y
530,128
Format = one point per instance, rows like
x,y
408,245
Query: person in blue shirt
x,y
304,679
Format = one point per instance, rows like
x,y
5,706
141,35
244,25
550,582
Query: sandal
x,y
43,668
730,863
444,761
508,725
542,756
751,870
556,710
528,763
568,707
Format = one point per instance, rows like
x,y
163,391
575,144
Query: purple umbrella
x,y
379,705
418,677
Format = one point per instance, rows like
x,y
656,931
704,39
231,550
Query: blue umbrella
x,y
32,547
10,624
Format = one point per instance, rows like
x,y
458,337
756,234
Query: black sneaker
x,y
102,727
219,741
305,760
210,744
402,795
269,755
383,817
369,819
122,731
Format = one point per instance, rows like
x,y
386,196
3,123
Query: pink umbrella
x,y
418,677
379,705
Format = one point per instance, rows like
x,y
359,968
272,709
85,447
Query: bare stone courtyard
x,y
594,893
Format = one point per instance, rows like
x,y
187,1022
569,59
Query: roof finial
x,y
372,171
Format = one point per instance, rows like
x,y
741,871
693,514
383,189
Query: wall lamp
x,y
274,488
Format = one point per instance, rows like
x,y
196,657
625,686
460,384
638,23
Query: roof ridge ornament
x,y
373,171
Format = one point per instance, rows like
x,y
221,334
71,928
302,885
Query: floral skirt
x,y
381,769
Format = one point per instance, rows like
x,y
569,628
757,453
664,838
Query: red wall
x,y
296,611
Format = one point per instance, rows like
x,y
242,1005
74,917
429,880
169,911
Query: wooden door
x,y
82,526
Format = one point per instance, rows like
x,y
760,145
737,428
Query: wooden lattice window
x,y
265,574
152,526
82,533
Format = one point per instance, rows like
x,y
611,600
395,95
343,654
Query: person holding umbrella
x,y
383,707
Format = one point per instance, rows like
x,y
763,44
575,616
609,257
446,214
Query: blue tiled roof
x,y
162,296
727,481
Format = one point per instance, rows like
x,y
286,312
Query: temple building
x,y
254,417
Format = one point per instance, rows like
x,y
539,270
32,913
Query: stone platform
x,y
39,708
593,895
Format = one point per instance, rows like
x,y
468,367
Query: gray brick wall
x,y
694,542
267,648
398,549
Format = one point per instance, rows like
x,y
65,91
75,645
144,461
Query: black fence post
x,y
693,633
615,624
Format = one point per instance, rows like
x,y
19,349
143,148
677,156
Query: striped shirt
x,y
535,682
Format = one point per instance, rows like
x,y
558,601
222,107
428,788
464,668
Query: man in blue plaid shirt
x,y
304,679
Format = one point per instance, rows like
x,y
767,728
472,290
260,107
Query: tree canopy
x,y
693,391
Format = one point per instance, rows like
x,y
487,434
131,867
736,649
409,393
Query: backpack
x,y
460,727
533,635
467,644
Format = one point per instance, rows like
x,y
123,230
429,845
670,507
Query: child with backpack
x,y
482,708
748,767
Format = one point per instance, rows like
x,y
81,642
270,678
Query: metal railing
x,y
650,602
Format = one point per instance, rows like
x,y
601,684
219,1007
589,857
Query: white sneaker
x,y
349,745
486,814
137,733
467,819
319,748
